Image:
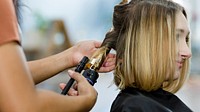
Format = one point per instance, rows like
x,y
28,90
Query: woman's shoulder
x,y
129,100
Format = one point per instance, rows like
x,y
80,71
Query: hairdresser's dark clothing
x,y
135,100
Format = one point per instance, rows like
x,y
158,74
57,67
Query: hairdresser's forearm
x,y
53,102
43,69
20,95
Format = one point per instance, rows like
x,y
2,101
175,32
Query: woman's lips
x,y
179,64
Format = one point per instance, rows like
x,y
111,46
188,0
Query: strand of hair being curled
x,y
119,16
124,2
111,37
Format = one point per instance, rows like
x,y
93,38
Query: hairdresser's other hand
x,y
87,48
81,88
109,63
72,91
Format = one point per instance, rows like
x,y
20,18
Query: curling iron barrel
x,y
90,67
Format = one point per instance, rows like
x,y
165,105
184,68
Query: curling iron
x,y
90,67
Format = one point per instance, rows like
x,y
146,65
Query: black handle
x,y
78,69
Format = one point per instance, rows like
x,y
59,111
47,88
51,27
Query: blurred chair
x,y
51,40
57,39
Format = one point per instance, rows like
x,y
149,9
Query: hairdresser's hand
x,y
109,63
84,92
81,87
87,48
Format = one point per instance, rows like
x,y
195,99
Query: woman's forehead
x,y
182,23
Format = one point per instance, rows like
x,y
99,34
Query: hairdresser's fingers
x,y
75,86
76,76
62,85
111,55
72,92
106,69
109,62
97,44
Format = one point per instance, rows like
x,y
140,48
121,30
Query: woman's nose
x,y
185,51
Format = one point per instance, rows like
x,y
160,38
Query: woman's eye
x,y
177,37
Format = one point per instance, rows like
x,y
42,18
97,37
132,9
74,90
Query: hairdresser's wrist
x,y
64,60
73,57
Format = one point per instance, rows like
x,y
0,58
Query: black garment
x,y
135,100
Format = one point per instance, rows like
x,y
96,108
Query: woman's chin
x,y
177,74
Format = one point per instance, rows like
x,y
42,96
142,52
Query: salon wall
x,y
91,19
85,19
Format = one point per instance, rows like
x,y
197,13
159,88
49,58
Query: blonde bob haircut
x,y
143,35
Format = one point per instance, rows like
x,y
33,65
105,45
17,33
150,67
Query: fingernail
x,y
106,64
70,71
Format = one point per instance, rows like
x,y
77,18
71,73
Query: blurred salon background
x,y
51,26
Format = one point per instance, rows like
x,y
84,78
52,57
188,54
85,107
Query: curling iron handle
x,y
78,69
67,87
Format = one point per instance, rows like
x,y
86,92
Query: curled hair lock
x,y
124,2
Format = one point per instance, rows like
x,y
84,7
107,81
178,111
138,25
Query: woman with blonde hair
x,y
151,39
